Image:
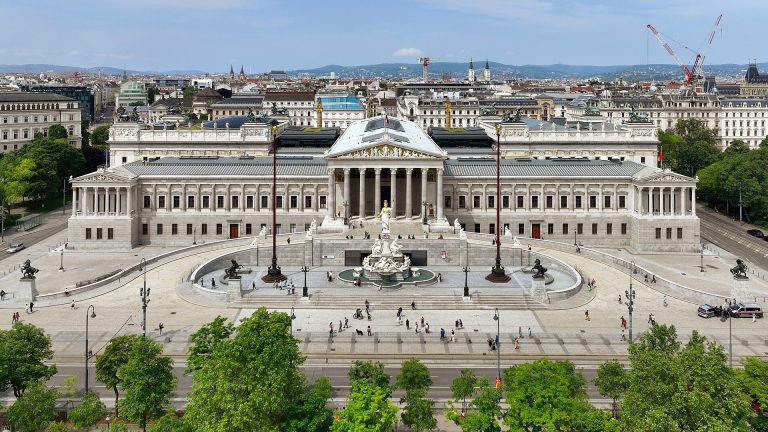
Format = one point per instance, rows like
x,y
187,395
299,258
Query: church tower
x,y
242,74
471,75
487,72
231,73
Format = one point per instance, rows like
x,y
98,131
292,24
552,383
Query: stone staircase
x,y
391,302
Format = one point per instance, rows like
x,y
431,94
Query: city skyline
x,y
260,35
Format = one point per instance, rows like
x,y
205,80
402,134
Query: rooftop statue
x,y
592,111
489,110
251,116
514,118
638,117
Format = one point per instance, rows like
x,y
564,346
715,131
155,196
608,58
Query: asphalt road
x,y
32,237
442,375
732,236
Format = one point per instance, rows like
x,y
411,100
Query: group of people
x,y
287,285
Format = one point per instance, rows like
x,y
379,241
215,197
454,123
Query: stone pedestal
x,y
26,290
538,290
440,225
234,289
741,291
332,225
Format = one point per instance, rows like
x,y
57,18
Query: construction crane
x,y
425,67
694,73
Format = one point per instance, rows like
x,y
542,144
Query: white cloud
x,y
408,52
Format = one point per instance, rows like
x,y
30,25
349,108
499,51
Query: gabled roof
x,y
372,132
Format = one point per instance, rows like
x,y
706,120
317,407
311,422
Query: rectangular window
x,y
492,229
624,229
161,201
519,201
578,201
189,229
565,229
308,202
477,228
204,229
491,201
249,201
248,229
87,233
279,200
447,202
292,228
607,201
174,229
159,229
190,201
622,201
147,201
521,229
679,233
278,228
145,229
264,201
110,233
176,201
235,201
505,201
592,201
669,233
535,201
563,202
219,201
550,229
99,233
658,233
206,201
549,201
609,229
580,228
594,229
475,201
219,229
294,201
323,201
462,201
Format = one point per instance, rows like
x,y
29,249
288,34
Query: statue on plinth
x,y
27,271
376,249
507,232
395,248
313,225
456,225
231,272
738,272
539,269
384,215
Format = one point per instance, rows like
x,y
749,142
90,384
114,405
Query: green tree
x,y
85,136
99,136
205,340
148,381
67,160
248,381
482,412
689,147
90,411
189,92
136,103
736,146
672,387
93,158
151,93
310,412
611,381
57,427
551,395
414,377
368,409
116,353
57,131
171,423
754,381
464,386
24,350
417,414
32,411
371,371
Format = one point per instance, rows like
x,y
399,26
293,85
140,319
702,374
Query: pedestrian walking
x,y
620,299
650,318
456,324
399,320
461,323
330,328
73,305
346,322
407,324
417,327
754,317
213,282
202,282
530,333
586,315
399,312
367,305
413,305
442,333
26,308
13,318
623,335
490,344
2,295
289,240
422,320
653,278
519,331
517,343
161,327
426,328
31,306
453,336
369,331
253,285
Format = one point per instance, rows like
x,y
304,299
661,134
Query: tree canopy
x,y
371,371
90,411
99,136
368,409
24,350
205,340
57,131
116,353
482,413
32,411
310,412
611,381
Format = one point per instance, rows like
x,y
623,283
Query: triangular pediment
x,y
385,150
667,177
103,177
383,137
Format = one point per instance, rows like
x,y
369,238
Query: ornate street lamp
x,y
466,286
304,289
88,315
273,272
497,271
630,294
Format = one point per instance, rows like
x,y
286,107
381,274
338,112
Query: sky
x,y
209,35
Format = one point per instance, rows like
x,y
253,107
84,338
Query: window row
x,y
205,201
36,106
218,229
99,233
535,201
35,119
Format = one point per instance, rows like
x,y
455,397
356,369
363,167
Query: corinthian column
x,y
408,193
362,193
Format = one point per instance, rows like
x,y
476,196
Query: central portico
x,y
385,159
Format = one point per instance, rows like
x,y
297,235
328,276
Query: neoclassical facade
x,y
178,200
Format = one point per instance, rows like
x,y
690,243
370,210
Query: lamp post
x,y
194,235
424,214
88,315
293,317
61,259
346,217
630,294
466,286
497,271
496,318
144,293
64,195
273,272
304,289
702,258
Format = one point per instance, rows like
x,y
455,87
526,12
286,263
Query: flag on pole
x,y
661,154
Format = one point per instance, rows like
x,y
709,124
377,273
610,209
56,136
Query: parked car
x,y
756,233
739,310
15,247
765,238
706,311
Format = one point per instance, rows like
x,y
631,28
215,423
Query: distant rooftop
x,y
33,97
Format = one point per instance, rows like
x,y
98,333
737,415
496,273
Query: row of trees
x,y
691,149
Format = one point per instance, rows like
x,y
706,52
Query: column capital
x,y
439,170
409,170
347,171
377,171
330,171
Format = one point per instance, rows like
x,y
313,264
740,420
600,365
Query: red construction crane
x,y
694,73
425,66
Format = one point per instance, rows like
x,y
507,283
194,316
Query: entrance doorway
x,y
536,231
234,231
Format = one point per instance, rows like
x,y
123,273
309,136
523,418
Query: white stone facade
x,y
22,115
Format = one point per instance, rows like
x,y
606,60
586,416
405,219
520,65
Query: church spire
x,y
231,72
487,72
242,73
471,74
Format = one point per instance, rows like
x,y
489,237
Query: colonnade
x,y
102,200
666,200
